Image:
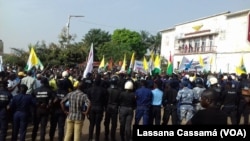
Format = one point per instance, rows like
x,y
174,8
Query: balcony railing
x,y
195,50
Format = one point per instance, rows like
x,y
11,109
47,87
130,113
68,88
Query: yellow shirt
x,y
52,84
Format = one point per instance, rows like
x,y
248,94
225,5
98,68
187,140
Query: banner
x,y
138,67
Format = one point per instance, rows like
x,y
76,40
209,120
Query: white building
x,y
220,40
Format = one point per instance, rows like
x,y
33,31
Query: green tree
x,y
98,37
155,42
65,39
128,42
17,58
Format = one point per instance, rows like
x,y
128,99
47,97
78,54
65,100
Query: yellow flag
x,y
241,68
201,61
102,63
145,63
32,61
123,68
132,61
211,60
157,61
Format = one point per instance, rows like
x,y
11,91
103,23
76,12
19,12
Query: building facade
x,y
220,41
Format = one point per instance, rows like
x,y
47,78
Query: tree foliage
x,y
121,42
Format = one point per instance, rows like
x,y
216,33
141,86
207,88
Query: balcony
x,y
195,50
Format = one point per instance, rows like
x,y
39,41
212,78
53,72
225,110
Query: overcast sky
x,y
24,22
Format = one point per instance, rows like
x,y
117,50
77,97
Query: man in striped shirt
x,y
76,114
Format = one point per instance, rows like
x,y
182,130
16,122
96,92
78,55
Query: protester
x,y
75,114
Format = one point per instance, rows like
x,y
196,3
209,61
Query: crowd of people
x,y
63,99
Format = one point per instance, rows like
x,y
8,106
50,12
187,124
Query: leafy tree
x,y
128,42
17,58
65,39
113,50
155,42
98,37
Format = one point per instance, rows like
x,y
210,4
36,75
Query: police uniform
x,y
185,96
170,105
126,112
112,109
20,105
43,97
5,98
58,117
98,98
230,100
143,103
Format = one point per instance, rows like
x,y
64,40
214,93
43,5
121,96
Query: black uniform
x,y
170,104
230,101
112,112
5,98
244,106
126,114
98,98
43,97
58,117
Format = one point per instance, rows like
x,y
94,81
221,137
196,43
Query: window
x,y
211,42
196,44
203,44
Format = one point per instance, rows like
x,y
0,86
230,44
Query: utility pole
x,y
68,25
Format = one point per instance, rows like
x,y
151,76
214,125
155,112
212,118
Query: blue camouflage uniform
x,y
185,97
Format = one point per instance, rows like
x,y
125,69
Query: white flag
x,y
89,66
1,64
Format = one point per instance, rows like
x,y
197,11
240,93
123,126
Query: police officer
x,y
88,81
58,116
98,98
230,101
198,89
126,113
214,85
143,103
244,106
43,97
5,98
112,108
185,96
155,111
20,105
170,104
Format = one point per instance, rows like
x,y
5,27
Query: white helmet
x,y
128,85
213,80
65,74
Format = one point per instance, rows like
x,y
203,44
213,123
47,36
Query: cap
x,y
21,73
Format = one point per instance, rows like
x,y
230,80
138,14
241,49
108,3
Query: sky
x,y
24,22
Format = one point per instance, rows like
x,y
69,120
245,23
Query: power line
x,y
93,23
